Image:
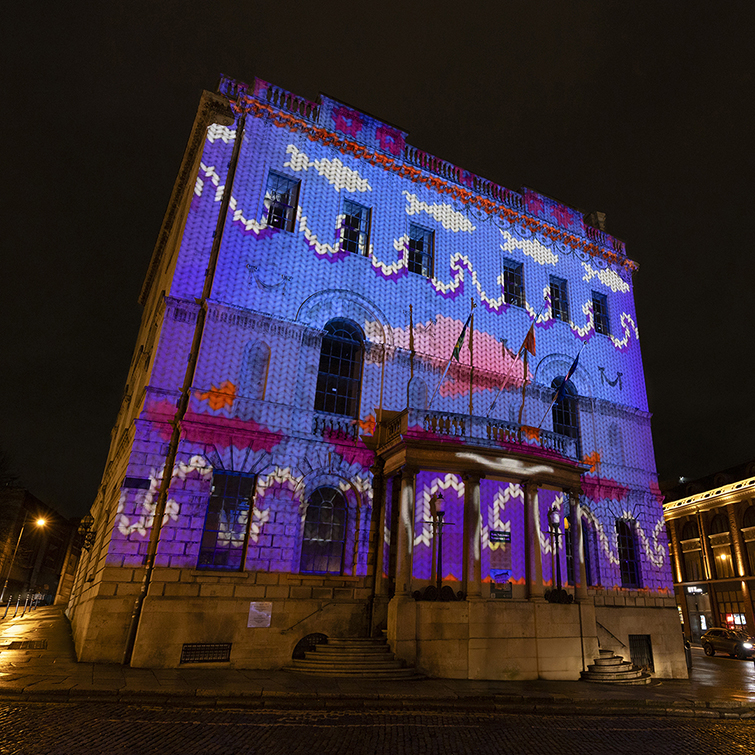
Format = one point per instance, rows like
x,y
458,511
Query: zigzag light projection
x,y
251,405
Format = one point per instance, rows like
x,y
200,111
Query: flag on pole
x,y
561,390
457,349
454,354
529,341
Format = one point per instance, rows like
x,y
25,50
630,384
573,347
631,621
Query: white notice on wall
x,y
260,613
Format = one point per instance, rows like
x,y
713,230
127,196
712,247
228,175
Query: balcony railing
x,y
475,431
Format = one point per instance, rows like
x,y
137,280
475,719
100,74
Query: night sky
x,y
642,110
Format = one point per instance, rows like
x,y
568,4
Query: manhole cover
x,y
28,645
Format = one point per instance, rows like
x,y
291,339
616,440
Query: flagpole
x,y
550,406
518,353
471,357
411,353
458,345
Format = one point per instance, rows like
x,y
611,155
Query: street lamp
x,y
558,595
39,523
438,532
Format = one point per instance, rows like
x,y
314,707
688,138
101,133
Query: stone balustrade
x,y
474,430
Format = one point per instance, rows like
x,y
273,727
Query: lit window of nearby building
x,y
281,200
324,532
226,525
339,379
421,250
600,313
559,298
355,228
628,565
513,283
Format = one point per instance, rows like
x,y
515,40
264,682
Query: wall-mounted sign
x,y
695,590
500,537
260,613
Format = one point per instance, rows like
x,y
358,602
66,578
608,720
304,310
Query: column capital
x,y
472,476
407,472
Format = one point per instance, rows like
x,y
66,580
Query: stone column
x,y
532,552
405,539
739,555
577,547
741,565
472,537
378,516
676,550
709,567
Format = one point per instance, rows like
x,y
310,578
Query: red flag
x,y
529,340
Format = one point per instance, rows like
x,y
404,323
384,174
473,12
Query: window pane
x,y
559,298
281,198
355,228
513,284
600,313
420,257
324,532
340,374
227,521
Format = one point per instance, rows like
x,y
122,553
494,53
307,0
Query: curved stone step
x,y
642,678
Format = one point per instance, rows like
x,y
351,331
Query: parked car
x,y
733,642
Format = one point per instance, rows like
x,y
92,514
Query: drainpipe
x,y
183,402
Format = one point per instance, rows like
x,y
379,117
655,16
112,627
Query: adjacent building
x,y
346,339
711,530
35,559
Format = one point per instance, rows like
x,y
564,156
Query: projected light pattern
x,y
274,291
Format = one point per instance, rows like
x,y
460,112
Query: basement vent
x,y
28,645
206,652
308,643
641,651
139,483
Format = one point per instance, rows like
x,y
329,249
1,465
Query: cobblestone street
x,y
51,728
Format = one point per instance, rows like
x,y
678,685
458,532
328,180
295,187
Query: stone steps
x,y
613,669
354,657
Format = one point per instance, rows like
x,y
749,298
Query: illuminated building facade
x,y
711,532
293,370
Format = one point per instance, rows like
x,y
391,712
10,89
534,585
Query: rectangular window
x,y
559,298
513,283
600,313
355,228
693,567
281,201
421,251
226,525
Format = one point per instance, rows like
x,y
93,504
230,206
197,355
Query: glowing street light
x,y
40,523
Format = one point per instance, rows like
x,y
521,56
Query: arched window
x,y
630,572
324,532
339,379
590,542
254,365
719,524
690,530
566,412
748,520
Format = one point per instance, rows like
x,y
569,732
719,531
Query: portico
x,y
491,485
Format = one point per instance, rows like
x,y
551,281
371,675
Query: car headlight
x,y
747,645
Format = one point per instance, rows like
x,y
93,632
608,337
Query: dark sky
x,y
642,110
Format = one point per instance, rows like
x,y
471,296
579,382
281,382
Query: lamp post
x,y
559,595
40,523
438,532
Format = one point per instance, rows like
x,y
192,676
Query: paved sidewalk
x,y
50,672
